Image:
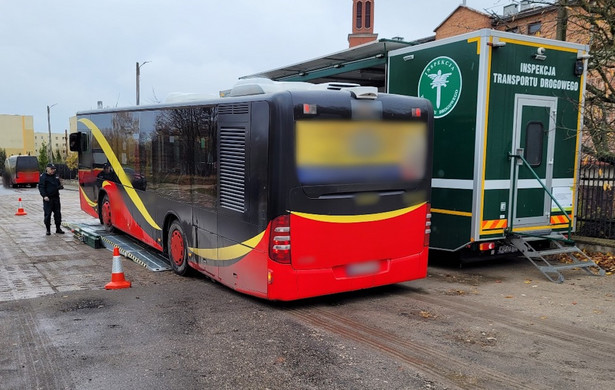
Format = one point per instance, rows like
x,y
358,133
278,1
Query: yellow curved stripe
x,y
90,202
229,252
358,218
235,251
119,171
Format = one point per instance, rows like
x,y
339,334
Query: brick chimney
x,y
362,23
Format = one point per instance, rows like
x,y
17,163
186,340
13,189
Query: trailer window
x,y
533,143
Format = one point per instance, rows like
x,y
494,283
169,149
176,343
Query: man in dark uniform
x,y
49,186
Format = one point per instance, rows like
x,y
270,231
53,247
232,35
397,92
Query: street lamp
x,y
138,76
49,150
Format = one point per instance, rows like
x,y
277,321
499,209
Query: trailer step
x,y
556,251
559,246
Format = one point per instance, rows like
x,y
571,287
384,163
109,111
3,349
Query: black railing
x,y
596,202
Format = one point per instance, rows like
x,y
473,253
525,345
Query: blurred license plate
x,y
363,268
506,249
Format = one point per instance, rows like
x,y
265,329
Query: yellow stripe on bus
x,y
228,252
119,171
238,250
87,199
358,218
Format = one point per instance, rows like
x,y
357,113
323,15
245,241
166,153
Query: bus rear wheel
x,y
105,214
177,249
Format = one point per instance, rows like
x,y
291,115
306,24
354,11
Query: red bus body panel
x,y
322,253
289,284
122,217
27,178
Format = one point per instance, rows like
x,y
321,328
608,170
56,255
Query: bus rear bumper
x,y
287,284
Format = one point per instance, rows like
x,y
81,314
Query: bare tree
x,y
595,19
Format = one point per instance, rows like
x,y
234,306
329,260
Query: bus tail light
x,y
279,239
427,225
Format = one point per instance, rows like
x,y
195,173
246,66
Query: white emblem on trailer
x,y
440,83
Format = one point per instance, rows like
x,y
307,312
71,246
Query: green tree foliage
x,y
57,158
42,157
72,160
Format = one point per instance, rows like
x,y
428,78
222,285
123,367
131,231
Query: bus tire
x,y
105,214
177,249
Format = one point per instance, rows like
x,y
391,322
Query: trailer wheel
x,y
105,214
177,249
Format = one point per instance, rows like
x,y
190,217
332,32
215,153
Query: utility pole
x,y
138,77
66,143
49,150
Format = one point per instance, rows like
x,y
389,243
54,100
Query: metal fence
x,y
595,207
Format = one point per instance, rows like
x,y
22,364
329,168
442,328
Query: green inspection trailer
x,y
508,114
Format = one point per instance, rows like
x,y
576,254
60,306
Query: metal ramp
x,y
558,245
128,247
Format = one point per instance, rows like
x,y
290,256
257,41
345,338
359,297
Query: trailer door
x,y
534,131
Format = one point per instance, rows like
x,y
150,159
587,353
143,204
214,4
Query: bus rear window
x,y
344,152
27,164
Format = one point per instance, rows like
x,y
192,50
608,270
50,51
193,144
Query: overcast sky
x,y
73,53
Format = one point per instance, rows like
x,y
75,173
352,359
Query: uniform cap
x,y
50,165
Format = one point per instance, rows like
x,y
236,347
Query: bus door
x,y
533,138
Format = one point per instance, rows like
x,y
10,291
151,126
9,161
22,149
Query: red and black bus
x,y
21,171
279,190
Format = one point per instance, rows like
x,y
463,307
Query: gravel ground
x,y
495,325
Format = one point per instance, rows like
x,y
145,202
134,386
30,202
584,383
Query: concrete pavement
x,y
33,264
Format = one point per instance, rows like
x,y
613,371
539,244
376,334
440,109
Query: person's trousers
x,y
52,206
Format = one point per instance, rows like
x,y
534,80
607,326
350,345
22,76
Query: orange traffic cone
x,y
117,273
20,210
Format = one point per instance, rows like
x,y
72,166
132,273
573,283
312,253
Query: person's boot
x,y
48,230
59,230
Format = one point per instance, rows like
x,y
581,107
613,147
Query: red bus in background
x,y
279,190
21,171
